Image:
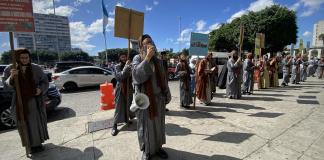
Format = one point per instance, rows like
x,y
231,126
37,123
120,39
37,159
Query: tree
x,y
76,56
276,22
113,54
321,37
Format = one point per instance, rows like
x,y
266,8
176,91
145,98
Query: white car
x,y
82,77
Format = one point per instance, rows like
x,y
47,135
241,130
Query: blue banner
x,y
198,44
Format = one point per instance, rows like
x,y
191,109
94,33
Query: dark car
x,y
63,66
2,68
52,101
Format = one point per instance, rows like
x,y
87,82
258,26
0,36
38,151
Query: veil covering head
x,y
20,51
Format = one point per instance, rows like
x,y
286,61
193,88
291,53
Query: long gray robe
x,y
320,69
311,68
185,94
36,117
248,68
286,71
151,132
234,77
121,108
295,71
303,71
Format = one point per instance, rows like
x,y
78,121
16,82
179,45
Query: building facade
x,y
52,33
318,30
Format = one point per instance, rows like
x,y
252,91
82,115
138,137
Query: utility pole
x,y
57,41
179,33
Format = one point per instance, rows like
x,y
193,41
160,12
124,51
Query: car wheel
x,y
6,119
114,82
70,86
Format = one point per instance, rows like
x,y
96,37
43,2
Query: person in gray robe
x,y
123,93
183,70
295,71
33,87
311,67
320,68
248,70
303,68
149,78
234,77
286,62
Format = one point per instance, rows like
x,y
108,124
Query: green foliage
x,y
113,54
277,22
49,57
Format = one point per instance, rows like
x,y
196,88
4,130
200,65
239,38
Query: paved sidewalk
x,y
278,123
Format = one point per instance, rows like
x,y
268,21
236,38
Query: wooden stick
x,y
128,54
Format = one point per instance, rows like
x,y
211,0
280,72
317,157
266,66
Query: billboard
x,y
198,44
16,16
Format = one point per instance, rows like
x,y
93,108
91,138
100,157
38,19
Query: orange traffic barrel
x,y
107,96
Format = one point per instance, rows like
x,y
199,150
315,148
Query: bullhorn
x,y
141,102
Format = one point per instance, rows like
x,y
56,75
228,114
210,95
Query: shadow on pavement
x,y
60,113
177,154
193,114
213,109
230,137
236,106
300,101
266,114
176,130
260,98
272,94
312,92
129,127
59,152
307,97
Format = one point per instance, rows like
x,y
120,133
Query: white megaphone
x,y
141,102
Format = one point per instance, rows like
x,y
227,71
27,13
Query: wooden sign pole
x,y
128,54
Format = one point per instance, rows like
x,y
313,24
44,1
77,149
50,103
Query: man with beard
x,y
123,92
204,80
248,69
149,77
234,77
33,85
183,71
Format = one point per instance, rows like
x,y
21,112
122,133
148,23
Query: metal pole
x,y
106,49
57,47
180,33
34,42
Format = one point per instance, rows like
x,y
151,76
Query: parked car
x,y
63,66
52,100
2,68
82,77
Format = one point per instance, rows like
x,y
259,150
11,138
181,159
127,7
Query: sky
x,y
169,22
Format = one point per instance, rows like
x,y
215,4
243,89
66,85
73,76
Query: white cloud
x,y
200,25
311,6
307,34
155,3
81,33
295,6
148,8
254,7
169,40
237,15
79,2
119,4
5,45
46,7
214,26
184,36
227,9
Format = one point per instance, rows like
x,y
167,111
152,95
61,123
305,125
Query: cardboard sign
x,y
198,44
128,23
16,16
259,43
